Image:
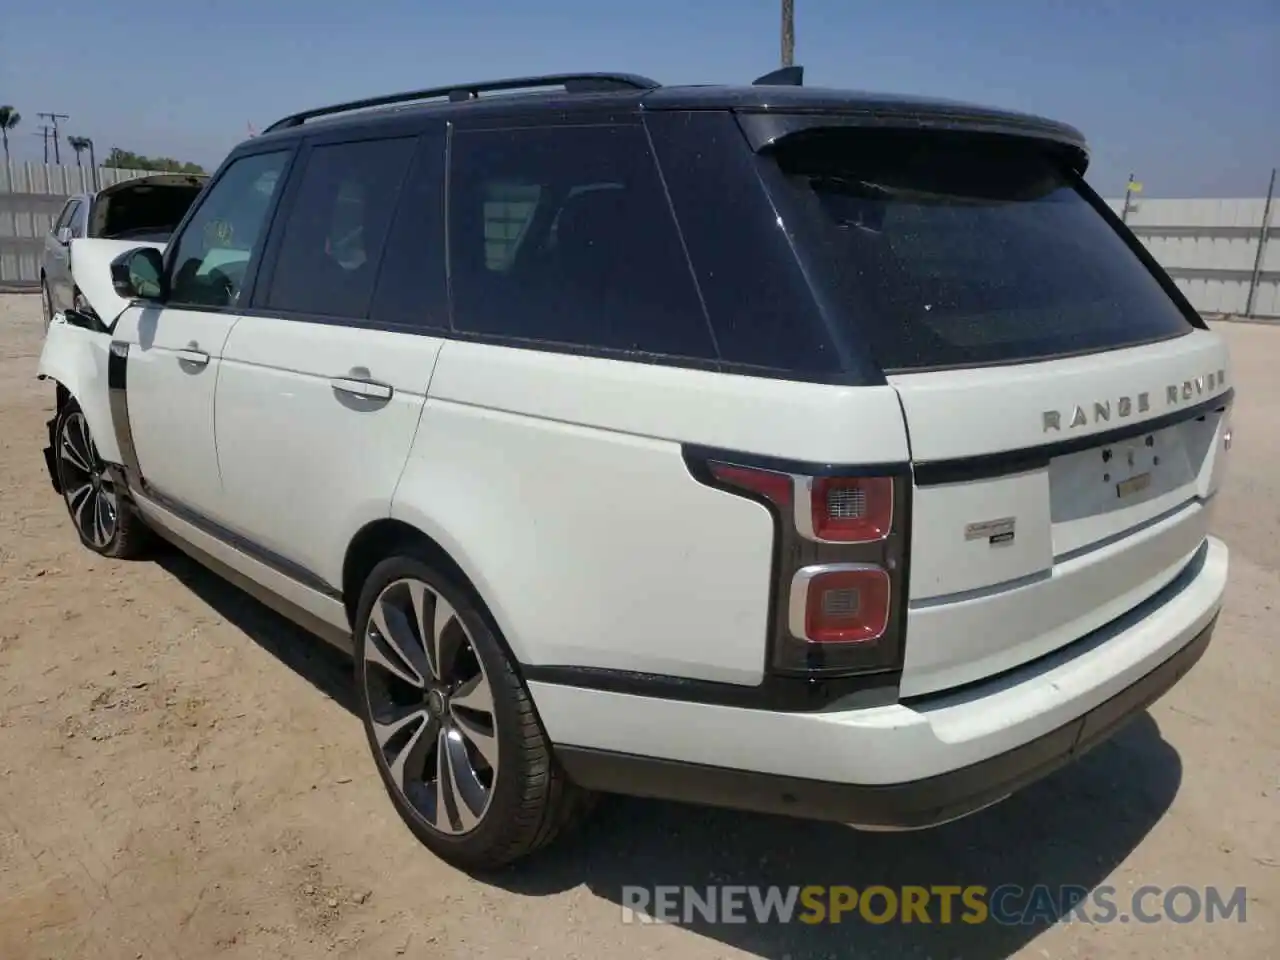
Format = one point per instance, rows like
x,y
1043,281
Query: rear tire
x,y
453,730
102,515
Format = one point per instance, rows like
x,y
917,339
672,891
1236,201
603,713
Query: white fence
x,y
1209,247
31,196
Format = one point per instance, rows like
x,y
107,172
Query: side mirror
x,y
138,274
63,236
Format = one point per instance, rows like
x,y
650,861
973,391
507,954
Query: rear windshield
x,y
946,250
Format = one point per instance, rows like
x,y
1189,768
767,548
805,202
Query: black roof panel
x,y
855,105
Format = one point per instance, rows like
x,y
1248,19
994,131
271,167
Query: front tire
x,y
101,514
452,728
46,304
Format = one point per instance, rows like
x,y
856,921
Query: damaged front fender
x,y
77,345
77,358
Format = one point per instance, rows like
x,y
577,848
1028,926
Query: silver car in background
x,y
140,211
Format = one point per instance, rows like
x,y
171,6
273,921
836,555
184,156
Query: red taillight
x,y
839,590
851,509
840,603
775,487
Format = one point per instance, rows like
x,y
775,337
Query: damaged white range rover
x,y
796,450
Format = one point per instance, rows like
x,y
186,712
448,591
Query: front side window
x,y
564,235
212,254
337,225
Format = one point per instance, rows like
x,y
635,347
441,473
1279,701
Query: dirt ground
x,y
181,775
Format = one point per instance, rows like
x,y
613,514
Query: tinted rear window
x,y
955,250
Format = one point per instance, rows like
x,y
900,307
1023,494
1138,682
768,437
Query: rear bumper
x,y
920,803
909,765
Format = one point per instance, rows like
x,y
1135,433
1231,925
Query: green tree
x,y
127,160
9,118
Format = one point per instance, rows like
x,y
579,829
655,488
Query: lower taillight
x,y
840,603
840,556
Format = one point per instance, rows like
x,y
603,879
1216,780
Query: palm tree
x,y
9,118
79,145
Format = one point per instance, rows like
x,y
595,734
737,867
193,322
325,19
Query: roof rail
x,y
571,82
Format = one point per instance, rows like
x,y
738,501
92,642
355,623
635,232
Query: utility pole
x,y
1263,234
1130,188
54,118
93,165
43,133
788,32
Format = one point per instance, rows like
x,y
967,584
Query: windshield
x,y
957,250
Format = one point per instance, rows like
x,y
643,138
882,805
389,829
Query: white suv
x,y
786,449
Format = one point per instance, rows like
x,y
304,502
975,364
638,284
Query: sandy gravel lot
x,y
181,776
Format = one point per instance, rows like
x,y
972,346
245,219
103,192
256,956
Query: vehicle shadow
x,y
318,663
1070,830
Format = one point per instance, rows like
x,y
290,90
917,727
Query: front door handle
x,y
361,386
193,355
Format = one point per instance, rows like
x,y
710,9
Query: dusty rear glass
x,y
945,250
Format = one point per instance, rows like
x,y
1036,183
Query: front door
x,y
174,347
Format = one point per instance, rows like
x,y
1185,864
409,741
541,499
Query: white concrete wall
x,y
1209,248
31,197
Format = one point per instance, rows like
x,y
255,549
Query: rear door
x,y
322,385
1065,413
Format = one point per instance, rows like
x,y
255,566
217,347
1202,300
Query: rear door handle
x,y
362,387
193,355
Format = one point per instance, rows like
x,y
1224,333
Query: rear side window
x,y
337,226
952,250
565,235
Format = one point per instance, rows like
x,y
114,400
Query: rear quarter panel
x,y
558,485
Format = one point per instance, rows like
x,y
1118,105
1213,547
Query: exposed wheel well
x,y
384,538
